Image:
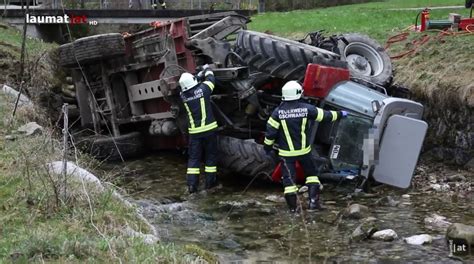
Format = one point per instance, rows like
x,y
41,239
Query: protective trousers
x,y
199,145
312,180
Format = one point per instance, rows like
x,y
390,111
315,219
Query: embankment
x,y
44,217
441,76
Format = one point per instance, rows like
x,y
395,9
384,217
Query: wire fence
x,y
268,5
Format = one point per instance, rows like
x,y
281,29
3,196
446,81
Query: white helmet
x,y
292,90
187,81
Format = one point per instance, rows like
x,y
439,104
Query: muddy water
x,y
254,226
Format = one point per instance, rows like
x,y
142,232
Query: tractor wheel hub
x,y
359,64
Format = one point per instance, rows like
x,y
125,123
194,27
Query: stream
x,y
254,226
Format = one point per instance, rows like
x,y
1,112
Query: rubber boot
x,y
291,200
192,189
193,182
211,181
314,192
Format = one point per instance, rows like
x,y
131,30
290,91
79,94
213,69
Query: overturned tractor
x,y
127,96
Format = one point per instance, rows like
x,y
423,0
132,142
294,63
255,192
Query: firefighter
x,y
154,4
202,127
289,127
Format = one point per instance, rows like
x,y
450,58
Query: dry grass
x,y
441,71
41,221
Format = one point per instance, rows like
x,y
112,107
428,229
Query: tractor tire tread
x,y
105,147
91,49
288,58
244,157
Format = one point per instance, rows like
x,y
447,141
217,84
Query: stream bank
x,y
440,76
46,218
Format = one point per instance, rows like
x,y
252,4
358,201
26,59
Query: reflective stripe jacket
x,y
197,102
290,126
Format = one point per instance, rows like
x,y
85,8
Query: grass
x,y
11,39
439,69
39,225
374,19
36,50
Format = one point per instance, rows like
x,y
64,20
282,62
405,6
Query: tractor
x,y
126,96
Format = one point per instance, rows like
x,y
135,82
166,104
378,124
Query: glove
x,y
344,113
200,74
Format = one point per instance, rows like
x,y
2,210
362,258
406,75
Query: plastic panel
x,y
399,150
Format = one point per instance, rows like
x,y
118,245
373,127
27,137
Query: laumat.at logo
x,y
64,19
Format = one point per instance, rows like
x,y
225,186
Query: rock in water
x,y
31,129
239,204
275,198
440,187
387,201
437,222
460,238
419,239
356,211
385,235
365,230
406,196
456,178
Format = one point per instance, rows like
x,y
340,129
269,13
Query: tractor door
x,y
399,150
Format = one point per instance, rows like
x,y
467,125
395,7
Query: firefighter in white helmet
x,y
289,127
154,4
202,127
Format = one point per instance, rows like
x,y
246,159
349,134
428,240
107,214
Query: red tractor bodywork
x,y
138,46
319,79
177,31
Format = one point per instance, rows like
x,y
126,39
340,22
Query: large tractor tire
x,y
283,58
105,147
366,59
66,55
91,49
244,157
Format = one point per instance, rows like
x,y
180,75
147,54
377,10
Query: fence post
x,y
65,147
261,6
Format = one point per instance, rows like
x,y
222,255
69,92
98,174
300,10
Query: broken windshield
x,y
346,151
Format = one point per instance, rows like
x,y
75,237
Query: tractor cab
x,y
380,139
